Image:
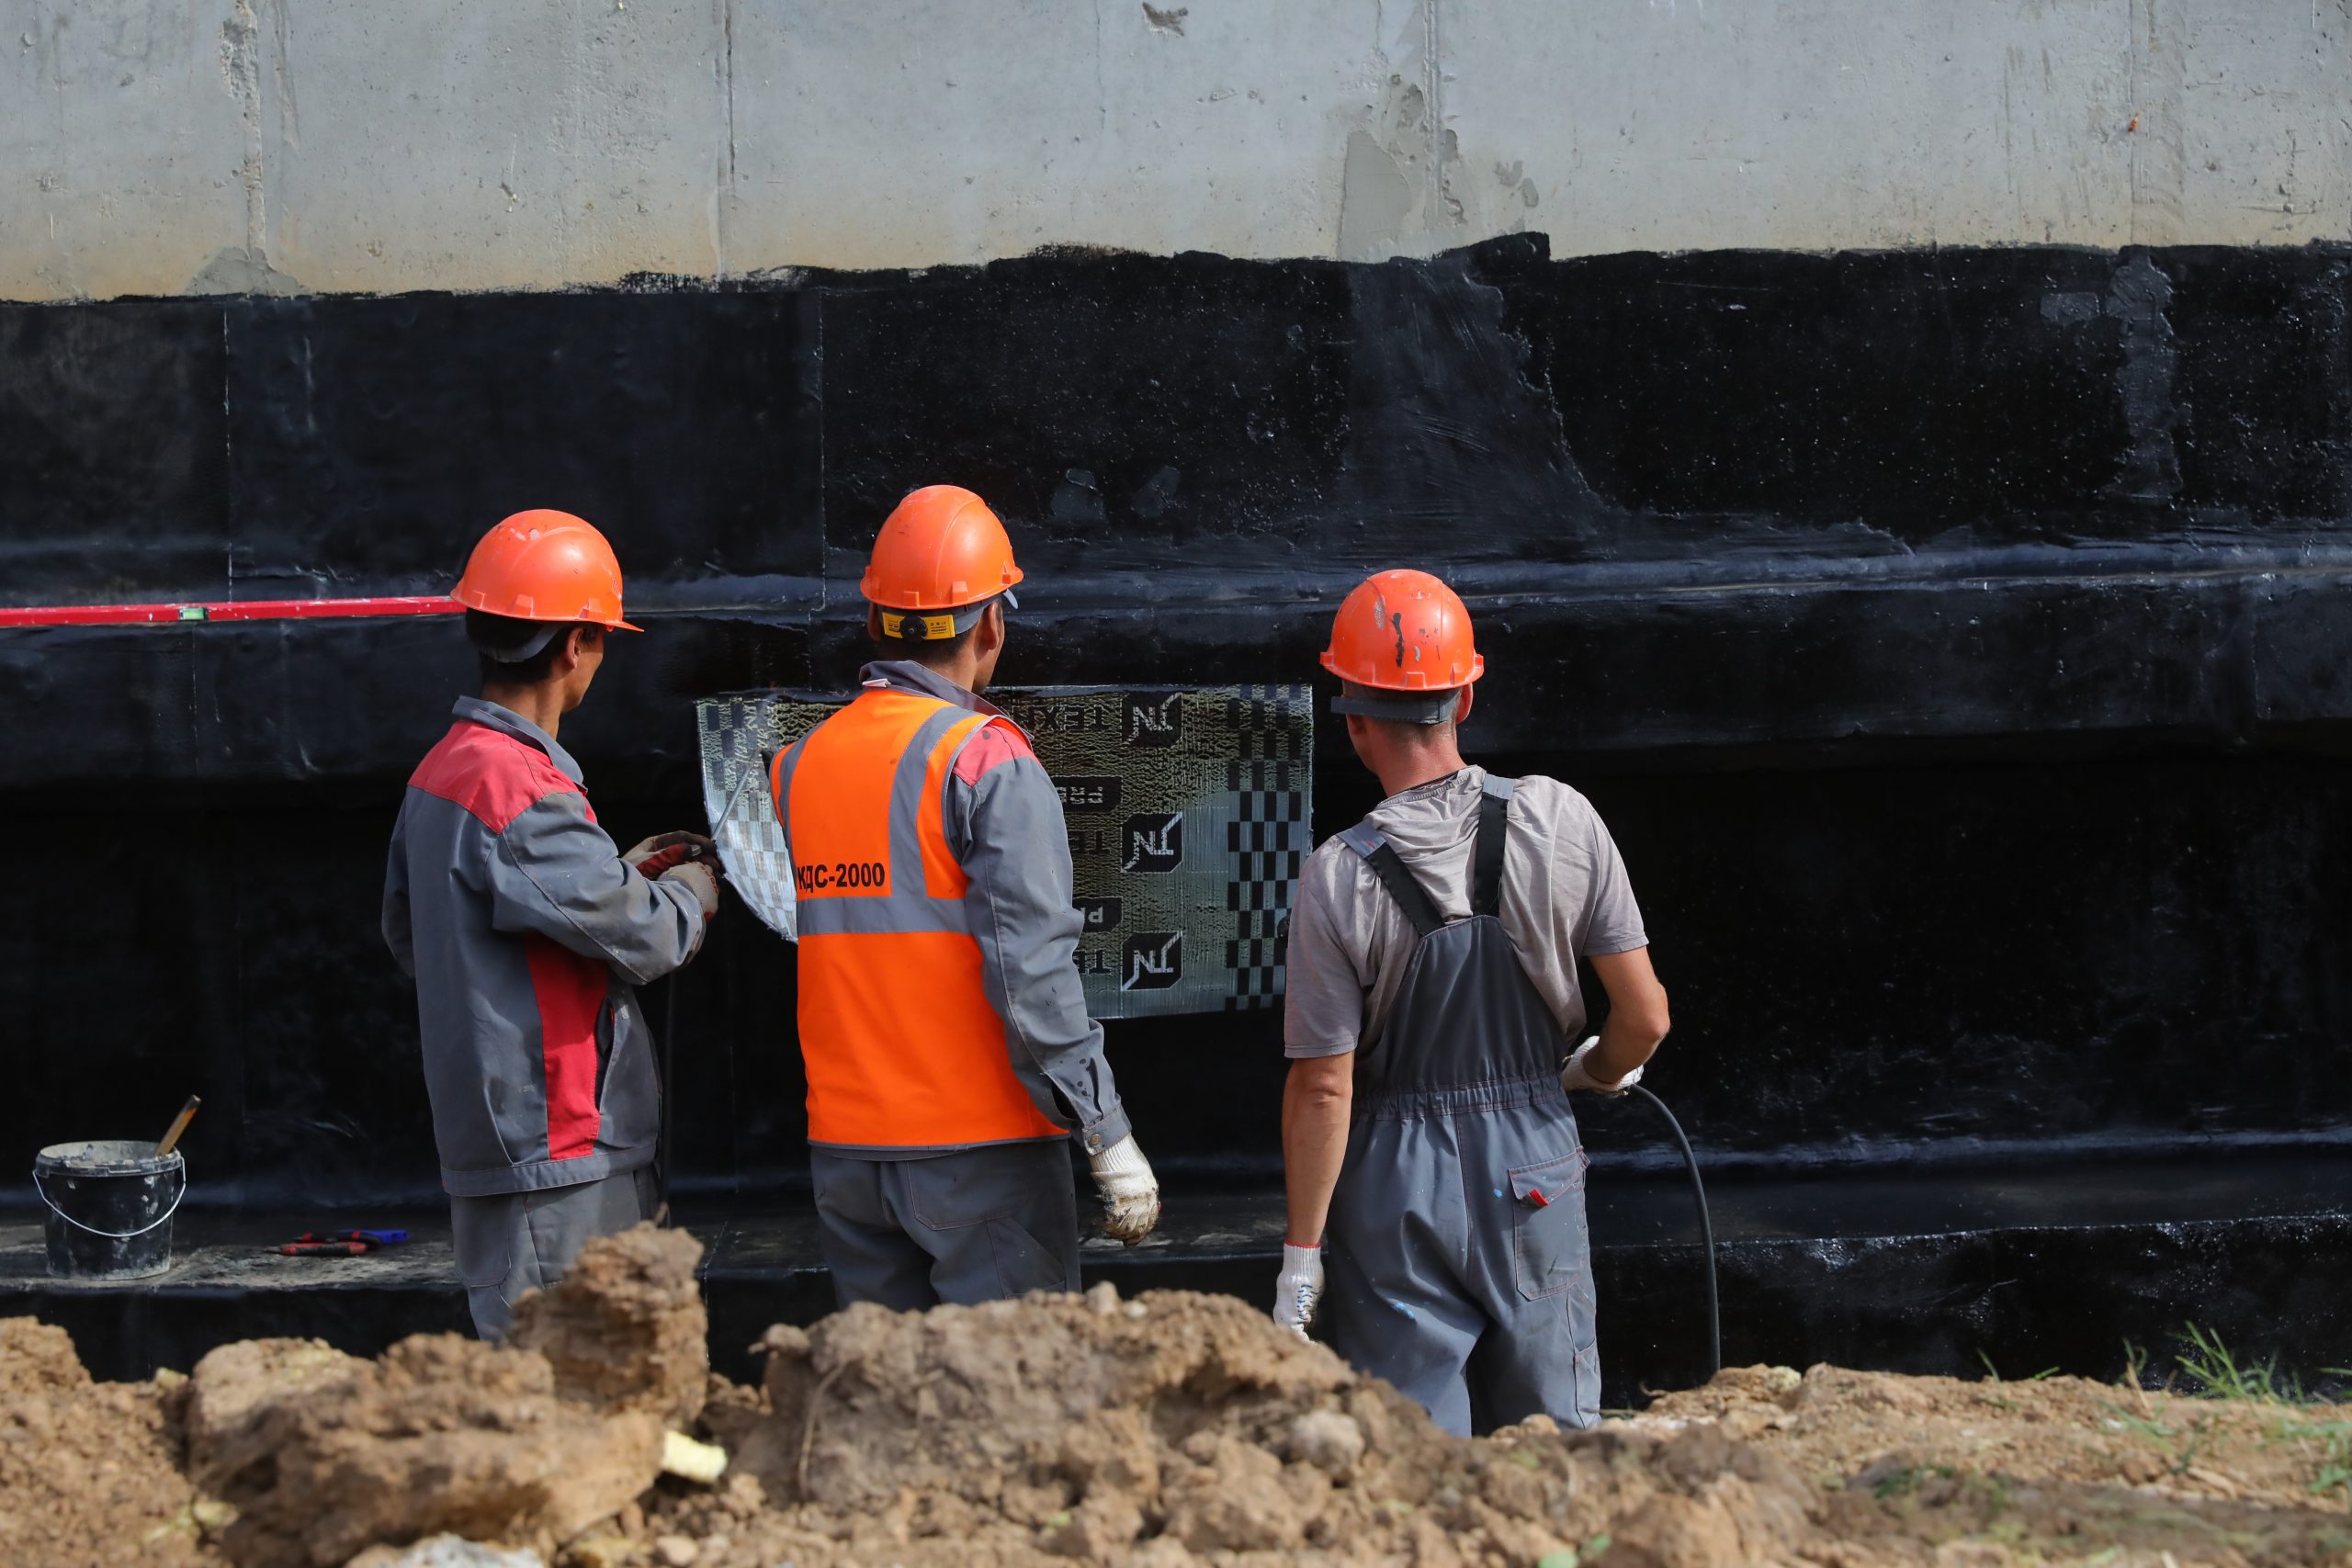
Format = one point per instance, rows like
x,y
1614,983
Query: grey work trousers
x,y
1459,1269
967,1227
516,1242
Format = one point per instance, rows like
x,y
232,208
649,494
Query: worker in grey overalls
x,y
1430,1157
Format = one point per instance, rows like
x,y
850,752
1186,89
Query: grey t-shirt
x,y
1564,895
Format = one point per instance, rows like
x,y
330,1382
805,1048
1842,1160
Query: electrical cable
x,y
1706,1233
669,1106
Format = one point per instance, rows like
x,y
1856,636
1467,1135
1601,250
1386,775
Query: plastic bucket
x,y
109,1208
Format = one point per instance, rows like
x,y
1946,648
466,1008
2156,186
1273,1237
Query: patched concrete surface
x,y
204,146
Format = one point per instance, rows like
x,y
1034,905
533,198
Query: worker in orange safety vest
x,y
950,1057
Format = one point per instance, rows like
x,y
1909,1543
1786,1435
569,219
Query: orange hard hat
x,y
544,566
1403,631
940,548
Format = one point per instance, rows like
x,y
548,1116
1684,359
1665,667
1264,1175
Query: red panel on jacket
x,y
493,776
571,992
998,744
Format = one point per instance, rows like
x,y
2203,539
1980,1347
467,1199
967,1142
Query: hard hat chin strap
x,y
1404,707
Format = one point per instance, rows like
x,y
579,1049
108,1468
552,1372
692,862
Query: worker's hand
x,y
701,879
1299,1289
659,853
1574,1076
1130,1192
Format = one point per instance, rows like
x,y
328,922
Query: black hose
x,y
669,1109
1706,1233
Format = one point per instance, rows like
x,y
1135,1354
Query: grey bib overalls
x,y
1458,1264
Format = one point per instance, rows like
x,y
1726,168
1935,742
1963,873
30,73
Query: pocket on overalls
x,y
1551,1250
997,1191
481,1238
971,1187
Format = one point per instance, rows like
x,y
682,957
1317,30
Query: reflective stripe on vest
x,y
902,1048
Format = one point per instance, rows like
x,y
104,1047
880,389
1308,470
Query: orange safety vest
x,y
902,1048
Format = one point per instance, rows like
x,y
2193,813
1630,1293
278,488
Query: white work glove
x,y
1574,1076
1130,1192
699,879
659,853
1299,1289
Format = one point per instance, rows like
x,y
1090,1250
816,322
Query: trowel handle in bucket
x,y
179,1125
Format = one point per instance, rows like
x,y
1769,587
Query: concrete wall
x,y
179,146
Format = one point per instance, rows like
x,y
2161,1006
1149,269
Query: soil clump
x,y
90,1474
439,1434
626,1329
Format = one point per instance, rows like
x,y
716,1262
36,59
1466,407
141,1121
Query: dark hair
x,y
487,631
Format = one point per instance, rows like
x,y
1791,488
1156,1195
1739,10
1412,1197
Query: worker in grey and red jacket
x,y
525,928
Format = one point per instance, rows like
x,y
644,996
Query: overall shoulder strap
x,y
1486,859
1381,856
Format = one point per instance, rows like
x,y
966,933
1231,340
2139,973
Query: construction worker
x,y
1430,1158
524,928
948,1049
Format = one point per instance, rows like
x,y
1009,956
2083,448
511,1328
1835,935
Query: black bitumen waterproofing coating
x,y
1953,639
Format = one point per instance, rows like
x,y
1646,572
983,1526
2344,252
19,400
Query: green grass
x,y
2336,1461
2219,1374
2215,1371
1993,1373
2179,1447
1903,1482
1571,1557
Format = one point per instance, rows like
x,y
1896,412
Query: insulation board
x,y
1187,810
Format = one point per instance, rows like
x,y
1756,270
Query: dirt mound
x,y
89,1475
1169,1431
626,1329
881,1400
1836,1423
2051,1466
1176,1429
1172,1429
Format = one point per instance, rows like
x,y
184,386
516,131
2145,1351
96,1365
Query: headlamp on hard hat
x,y
917,625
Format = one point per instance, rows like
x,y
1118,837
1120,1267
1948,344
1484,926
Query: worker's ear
x,y
1462,709
991,628
873,624
578,642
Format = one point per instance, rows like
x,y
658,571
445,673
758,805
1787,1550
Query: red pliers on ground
x,y
341,1244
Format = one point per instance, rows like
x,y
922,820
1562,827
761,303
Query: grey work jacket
x,y
1003,821
524,930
